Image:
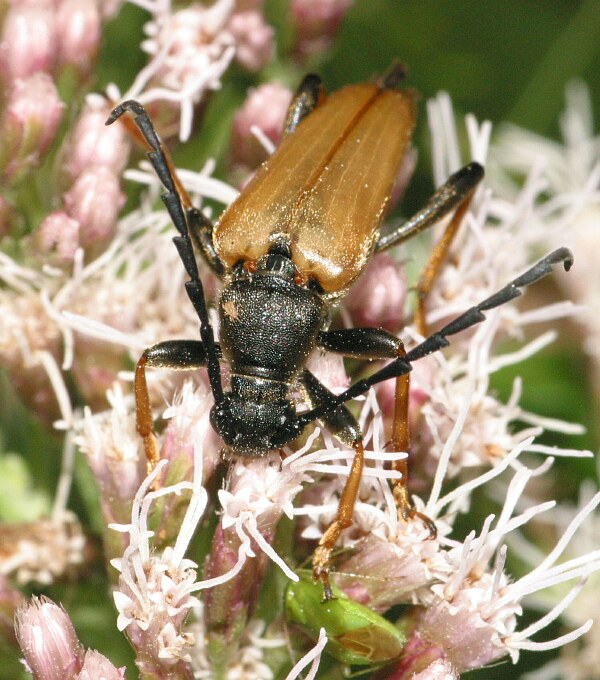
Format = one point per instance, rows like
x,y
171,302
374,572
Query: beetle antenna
x,y
439,339
173,203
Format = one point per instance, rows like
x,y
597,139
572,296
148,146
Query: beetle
x,y
287,249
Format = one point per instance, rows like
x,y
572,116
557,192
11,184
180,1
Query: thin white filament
x,y
313,657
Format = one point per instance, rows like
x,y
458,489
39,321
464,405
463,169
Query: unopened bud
x,y
109,8
28,41
379,296
78,33
317,21
58,233
94,201
29,124
48,640
92,143
254,39
98,667
265,108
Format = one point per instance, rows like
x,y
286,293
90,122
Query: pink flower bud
x,y
48,640
29,123
422,660
58,233
317,21
28,40
95,368
189,410
255,45
94,201
228,605
92,143
379,296
78,33
96,666
265,108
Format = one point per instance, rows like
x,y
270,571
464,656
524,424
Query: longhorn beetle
x,y
292,243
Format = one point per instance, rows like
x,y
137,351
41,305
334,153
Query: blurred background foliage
x,y
504,61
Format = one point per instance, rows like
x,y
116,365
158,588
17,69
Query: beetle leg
x,y
376,343
340,422
175,206
343,519
394,76
400,441
360,343
455,194
307,97
173,354
434,263
344,426
454,191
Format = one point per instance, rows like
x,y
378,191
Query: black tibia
x,y
176,355
306,99
439,339
173,203
340,421
361,343
456,188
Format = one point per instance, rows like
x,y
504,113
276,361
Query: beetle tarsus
x,y
407,513
321,566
